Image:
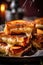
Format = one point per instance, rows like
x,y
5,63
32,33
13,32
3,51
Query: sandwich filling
x,y
15,42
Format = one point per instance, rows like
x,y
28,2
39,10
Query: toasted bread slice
x,y
18,26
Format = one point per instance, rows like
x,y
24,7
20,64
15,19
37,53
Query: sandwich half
x,y
14,45
16,37
18,26
38,35
39,25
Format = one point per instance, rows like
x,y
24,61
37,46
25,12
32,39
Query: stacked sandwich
x,y
16,37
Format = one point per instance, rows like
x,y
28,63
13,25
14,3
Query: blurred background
x,y
20,9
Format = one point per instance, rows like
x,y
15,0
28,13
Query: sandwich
x,y
39,25
38,35
18,26
16,37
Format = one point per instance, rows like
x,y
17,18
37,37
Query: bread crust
x,y
39,21
39,25
18,26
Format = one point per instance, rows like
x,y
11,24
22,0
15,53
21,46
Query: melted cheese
x,y
13,41
22,30
20,39
16,40
39,25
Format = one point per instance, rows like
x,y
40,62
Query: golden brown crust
x,y
20,23
18,26
39,31
39,21
39,25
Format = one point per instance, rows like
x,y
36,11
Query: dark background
x,y
30,11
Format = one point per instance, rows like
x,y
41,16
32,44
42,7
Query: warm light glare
x,y
2,7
